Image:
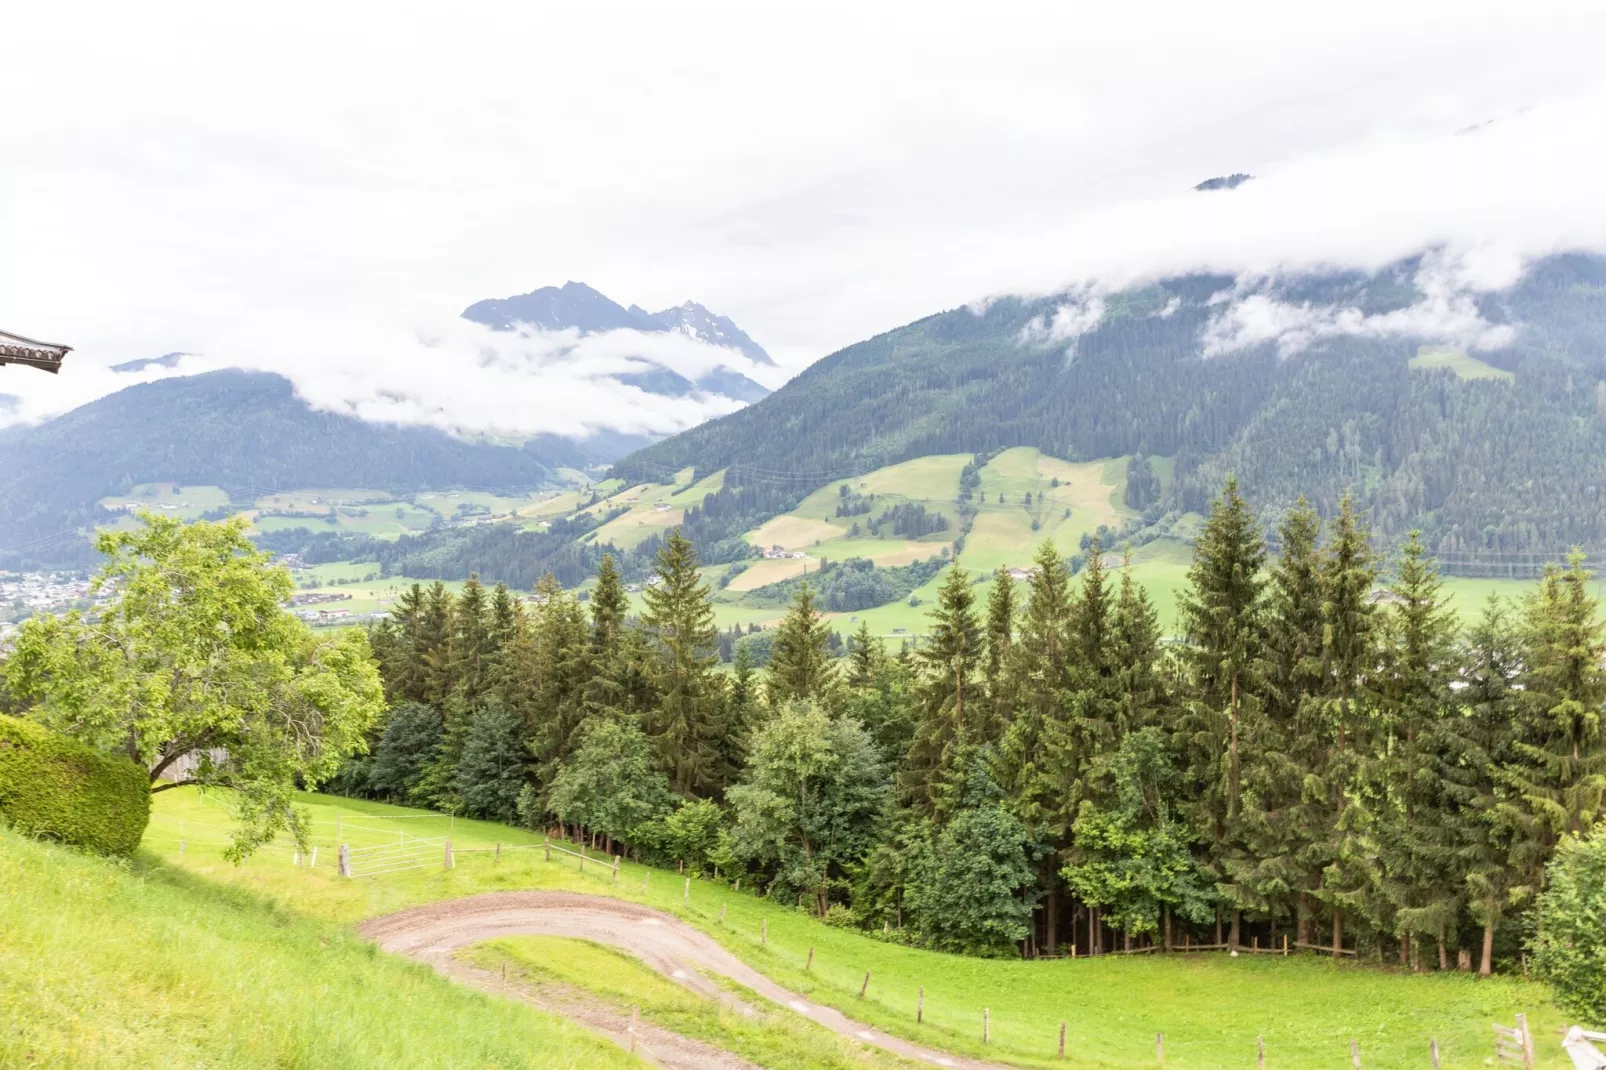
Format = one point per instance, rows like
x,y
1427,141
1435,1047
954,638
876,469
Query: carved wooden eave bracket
x,y
15,349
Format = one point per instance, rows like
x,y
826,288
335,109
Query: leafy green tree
x,y
1133,855
970,881
412,732
611,783
810,801
1570,944
492,770
680,619
948,691
193,664
800,665
696,835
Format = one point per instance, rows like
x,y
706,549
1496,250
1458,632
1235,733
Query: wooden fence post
x,y
722,913
1527,1041
685,895
986,1025
345,860
181,848
865,987
809,965
547,844
314,863
295,858
1260,1053
635,1015
1433,1046
1062,1040
448,862
498,856
920,1006
1355,1054
582,856
1159,1047
764,932
615,879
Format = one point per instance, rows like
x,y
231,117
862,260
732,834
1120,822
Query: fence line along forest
x,y
1325,757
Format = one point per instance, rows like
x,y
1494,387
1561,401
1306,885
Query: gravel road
x,y
432,934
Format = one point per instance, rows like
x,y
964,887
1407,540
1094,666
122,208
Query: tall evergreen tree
x,y
431,644
1477,746
1039,786
1419,828
680,620
1223,623
800,664
996,674
1561,756
1277,872
1349,659
948,692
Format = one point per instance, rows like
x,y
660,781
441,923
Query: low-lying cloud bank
x,y
1484,202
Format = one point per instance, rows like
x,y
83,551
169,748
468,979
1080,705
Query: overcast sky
x,y
321,188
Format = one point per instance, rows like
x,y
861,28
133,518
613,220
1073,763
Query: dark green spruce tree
x,y
686,724
1223,623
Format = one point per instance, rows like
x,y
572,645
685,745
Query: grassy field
x,y
107,964
1210,1007
1459,361
184,502
779,1040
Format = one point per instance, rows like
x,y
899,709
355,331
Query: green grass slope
x,y
114,965
1210,1007
779,1041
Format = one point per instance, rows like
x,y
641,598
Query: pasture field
x,y
1459,361
111,964
186,502
779,1041
1210,1007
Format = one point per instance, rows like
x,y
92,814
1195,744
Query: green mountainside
x,y
1494,454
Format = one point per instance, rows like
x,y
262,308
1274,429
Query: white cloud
x,y
1447,313
314,188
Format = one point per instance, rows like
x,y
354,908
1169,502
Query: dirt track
x,y
434,932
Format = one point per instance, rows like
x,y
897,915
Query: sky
x,y
320,189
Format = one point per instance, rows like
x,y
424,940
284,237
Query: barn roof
x,y
15,349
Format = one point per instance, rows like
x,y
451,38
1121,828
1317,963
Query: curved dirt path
x,y
432,933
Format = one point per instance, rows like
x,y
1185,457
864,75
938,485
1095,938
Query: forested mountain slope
x,y
1309,384
244,431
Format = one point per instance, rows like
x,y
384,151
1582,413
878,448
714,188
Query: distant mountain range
x,y
576,306
249,433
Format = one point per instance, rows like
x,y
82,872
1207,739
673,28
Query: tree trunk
x,y
1444,952
1126,940
1218,925
1486,962
1338,932
1051,911
1237,925
1304,933
1168,926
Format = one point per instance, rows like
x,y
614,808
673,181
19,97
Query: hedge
x,y
56,788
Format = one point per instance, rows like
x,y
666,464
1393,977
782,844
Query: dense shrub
x,y
1570,950
57,788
